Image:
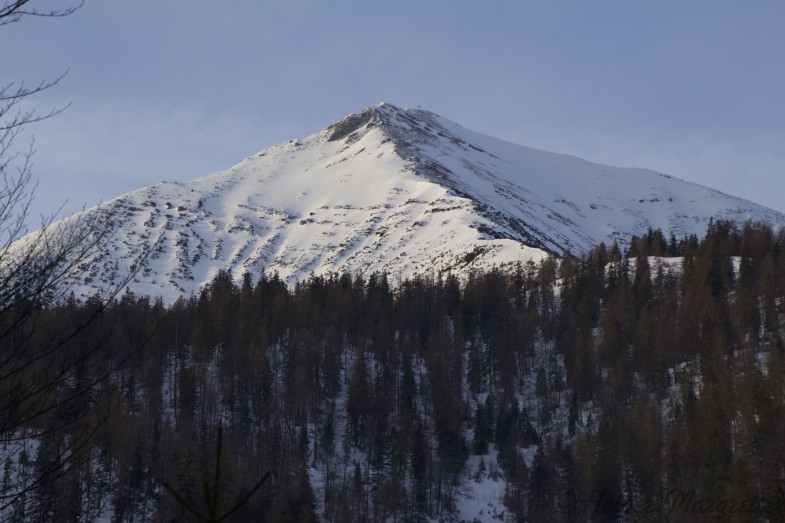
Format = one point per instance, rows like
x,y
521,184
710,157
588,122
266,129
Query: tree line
x,y
622,384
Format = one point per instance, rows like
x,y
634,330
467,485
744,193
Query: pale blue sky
x,y
176,89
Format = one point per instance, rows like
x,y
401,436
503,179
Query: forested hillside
x,y
638,385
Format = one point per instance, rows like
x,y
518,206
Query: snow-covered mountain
x,y
395,190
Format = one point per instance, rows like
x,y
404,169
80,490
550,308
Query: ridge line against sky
x,y
178,89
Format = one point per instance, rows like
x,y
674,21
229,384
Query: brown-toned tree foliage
x,y
625,384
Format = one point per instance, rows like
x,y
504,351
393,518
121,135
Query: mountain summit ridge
x,y
527,171
400,191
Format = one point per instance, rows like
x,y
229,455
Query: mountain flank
x,y
399,191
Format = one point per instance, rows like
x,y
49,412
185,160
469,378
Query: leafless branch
x,y
37,272
13,11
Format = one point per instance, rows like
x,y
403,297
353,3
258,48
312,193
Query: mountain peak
x,y
400,191
383,114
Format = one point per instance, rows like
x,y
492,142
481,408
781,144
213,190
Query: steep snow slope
x,y
554,201
399,191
